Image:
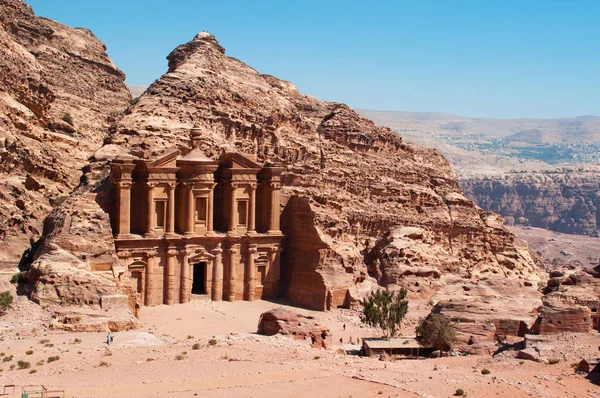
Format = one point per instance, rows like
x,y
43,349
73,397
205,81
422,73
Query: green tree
x,y
6,300
385,310
438,332
67,118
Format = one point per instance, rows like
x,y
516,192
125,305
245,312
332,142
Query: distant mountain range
x,y
493,146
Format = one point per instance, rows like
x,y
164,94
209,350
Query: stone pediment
x,y
236,160
165,159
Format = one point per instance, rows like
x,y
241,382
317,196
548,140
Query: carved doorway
x,y
199,281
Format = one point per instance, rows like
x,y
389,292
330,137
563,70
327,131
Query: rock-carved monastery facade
x,y
193,225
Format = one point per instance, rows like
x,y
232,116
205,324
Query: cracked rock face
x,y
360,206
564,200
48,70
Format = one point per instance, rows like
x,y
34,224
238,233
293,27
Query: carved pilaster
x,y
149,290
250,274
184,293
170,276
232,254
150,209
217,287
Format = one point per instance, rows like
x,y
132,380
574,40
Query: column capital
x,y
187,252
124,184
275,185
171,185
124,255
151,253
172,252
233,250
217,250
234,184
151,184
252,249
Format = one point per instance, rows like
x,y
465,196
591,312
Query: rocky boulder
x,y
288,323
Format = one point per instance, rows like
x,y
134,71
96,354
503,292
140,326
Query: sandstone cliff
x,y
347,182
360,208
48,70
564,199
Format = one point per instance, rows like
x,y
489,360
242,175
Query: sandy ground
x,y
159,361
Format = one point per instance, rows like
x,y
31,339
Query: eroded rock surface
x,y
564,199
360,207
288,323
48,70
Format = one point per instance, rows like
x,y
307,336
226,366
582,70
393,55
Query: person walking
x,y
108,339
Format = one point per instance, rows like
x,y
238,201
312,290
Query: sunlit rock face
x,y
59,92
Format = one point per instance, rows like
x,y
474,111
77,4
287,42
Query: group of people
x,y
109,338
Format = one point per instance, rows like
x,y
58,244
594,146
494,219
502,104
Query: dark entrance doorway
x,y
199,285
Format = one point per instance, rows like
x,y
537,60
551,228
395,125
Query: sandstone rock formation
x,y
570,300
564,199
48,71
347,182
360,207
285,322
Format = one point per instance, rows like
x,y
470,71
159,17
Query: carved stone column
x,y
190,222
217,287
274,209
171,209
170,276
149,294
232,252
252,210
232,202
124,226
150,211
211,210
185,289
250,274
209,277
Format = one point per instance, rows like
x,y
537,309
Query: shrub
x,y
12,366
438,332
23,365
190,337
15,278
77,341
485,372
29,352
460,392
52,359
40,363
33,371
212,342
6,300
317,357
44,341
553,361
196,346
103,363
7,359
67,118
385,310
179,357
49,345
149,359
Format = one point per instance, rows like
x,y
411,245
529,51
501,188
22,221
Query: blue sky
x,y
505,59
